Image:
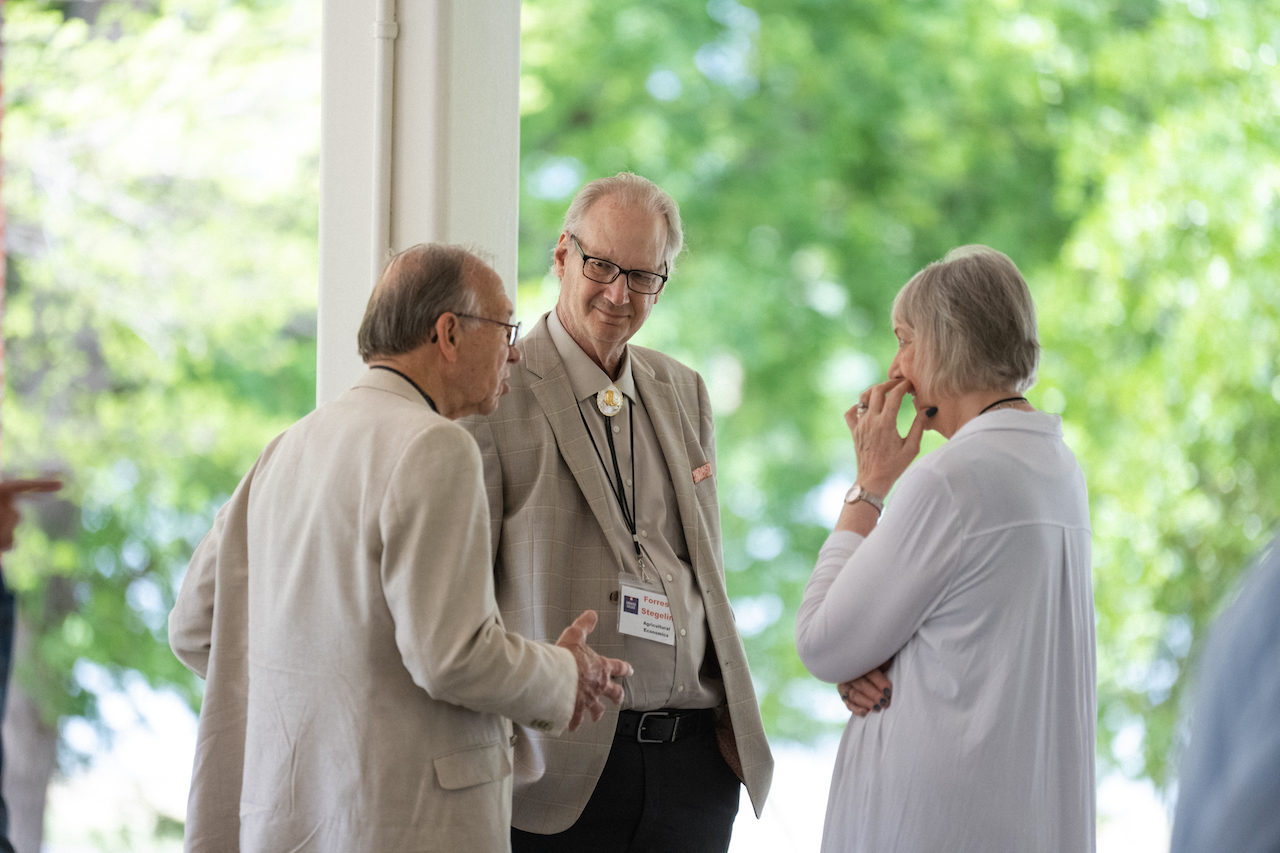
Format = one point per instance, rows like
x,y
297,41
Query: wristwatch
x,y
857,493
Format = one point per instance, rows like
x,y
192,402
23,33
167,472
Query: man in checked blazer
x,y
600,473
357,674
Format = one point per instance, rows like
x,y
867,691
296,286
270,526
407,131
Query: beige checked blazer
x,y
357,672
549,507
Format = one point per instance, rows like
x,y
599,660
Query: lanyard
x,y
620,490
430,402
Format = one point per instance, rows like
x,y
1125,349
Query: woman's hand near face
x,y
883,454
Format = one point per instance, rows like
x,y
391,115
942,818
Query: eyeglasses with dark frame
x,y
513,332
606,272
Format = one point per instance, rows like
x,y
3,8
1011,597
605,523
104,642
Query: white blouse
x,y
978,579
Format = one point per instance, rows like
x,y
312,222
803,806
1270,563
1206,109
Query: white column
x,y
454,149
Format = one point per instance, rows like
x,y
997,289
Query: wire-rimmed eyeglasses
x,y
513,332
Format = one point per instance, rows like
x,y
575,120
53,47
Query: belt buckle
x,y
645,715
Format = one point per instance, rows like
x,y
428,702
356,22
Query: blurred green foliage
x,y
1123,152
161,189
162,208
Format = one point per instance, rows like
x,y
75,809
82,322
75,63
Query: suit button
x,y
513,740
613,596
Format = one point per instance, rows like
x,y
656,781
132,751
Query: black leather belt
x,y
665,725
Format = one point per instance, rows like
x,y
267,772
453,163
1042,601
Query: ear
x,y
561,254
446,335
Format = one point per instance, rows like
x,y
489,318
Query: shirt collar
x,y
585,376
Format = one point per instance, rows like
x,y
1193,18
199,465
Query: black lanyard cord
x,y
619,490
425,396
628,513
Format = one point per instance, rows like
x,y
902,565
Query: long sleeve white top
x,y
978,579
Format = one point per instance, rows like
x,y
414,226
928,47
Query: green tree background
x,y
161,188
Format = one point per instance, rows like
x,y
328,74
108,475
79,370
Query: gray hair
x,y
974,323
634,191
415,288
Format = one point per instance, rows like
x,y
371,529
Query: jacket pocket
x,y
474,766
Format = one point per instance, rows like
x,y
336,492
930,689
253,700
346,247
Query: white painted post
x,y
385,30
455,149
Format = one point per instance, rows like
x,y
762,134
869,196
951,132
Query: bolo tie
x,y
609,402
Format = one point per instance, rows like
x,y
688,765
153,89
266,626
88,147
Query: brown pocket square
x,y
700,474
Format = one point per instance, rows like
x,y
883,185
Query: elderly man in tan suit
x,y
358,674
600,467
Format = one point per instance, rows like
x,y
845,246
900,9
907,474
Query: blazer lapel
x,y
679,442
554,394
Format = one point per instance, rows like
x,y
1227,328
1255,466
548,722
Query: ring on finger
x,y
862,408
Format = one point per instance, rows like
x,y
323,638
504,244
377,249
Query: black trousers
x,y
663,797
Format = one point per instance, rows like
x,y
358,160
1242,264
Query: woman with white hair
x,y
974,585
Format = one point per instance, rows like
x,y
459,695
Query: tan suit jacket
x,y
357,670
556,552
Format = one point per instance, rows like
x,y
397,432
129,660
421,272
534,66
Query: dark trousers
x,y
676,797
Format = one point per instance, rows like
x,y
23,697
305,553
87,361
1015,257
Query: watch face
x,y
857,493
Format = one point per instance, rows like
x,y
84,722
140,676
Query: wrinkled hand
x,y
595,673
9,514
867,693
883,454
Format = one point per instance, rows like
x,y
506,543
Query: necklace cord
x,y
998,402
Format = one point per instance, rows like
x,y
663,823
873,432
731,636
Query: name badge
x,y
646,614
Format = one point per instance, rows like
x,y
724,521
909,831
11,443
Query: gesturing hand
x,y
883,454
9,515
595,673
